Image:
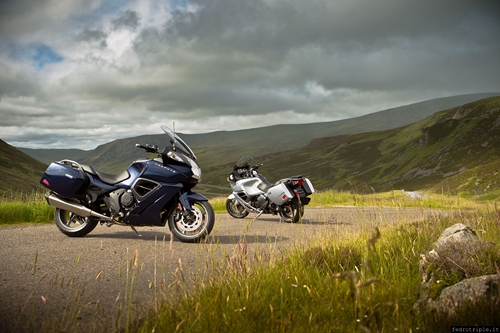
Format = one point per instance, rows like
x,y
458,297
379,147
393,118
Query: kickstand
x,y
259,214
138,234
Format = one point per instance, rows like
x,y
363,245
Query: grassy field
x,y
364,282
333,198
22,208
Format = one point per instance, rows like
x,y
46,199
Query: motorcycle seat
x,y
267,184
106,177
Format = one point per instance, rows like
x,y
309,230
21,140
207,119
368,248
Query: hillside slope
x,y
431,153
227,146
457,148
48,156
18,171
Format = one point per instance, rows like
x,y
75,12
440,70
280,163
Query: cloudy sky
x,y
79,73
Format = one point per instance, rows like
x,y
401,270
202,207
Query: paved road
x,y
48,277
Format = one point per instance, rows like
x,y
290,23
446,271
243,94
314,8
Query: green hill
x,y
47,156
394,148
18,171
227,146
452,150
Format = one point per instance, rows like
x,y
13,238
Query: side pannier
x,y
66,178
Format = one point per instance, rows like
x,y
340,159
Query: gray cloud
x,y
93,35
128,19
224,64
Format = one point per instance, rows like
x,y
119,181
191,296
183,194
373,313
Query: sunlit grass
x,y
25,208
391,199
331,198
339,282
33,208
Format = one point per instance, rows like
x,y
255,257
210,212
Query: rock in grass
x,y
456,273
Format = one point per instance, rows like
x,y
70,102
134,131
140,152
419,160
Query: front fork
x,y
185,206
184,202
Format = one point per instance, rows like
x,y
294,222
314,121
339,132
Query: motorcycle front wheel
x,y
292,211
73,225
194,226
235,209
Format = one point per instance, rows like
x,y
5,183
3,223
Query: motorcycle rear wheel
x,y
195,227
292,211
235,209
73,225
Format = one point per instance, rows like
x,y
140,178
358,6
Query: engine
x,y
120,199
260,202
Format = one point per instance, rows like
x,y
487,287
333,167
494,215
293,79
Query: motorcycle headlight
x,y
195,168
174,156
197,172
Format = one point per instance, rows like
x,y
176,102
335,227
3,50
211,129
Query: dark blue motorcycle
x,y
151,192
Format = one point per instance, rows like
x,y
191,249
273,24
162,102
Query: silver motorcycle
x,y
252,192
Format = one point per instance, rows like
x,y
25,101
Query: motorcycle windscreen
x,y
279,194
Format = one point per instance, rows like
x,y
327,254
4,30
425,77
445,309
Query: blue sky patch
x,y
44,55
37,54
178,4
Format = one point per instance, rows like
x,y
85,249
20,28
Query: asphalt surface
x,y
49,281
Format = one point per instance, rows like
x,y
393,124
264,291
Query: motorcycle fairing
x,y
151,215
148,211
166,173
249,185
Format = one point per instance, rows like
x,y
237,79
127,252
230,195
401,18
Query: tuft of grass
x,y
332,198
32,207
19,207
340,282
218,204
393,199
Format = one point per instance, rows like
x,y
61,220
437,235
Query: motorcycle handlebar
x,y
148,148
255,167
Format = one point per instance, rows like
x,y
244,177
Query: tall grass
x,y
340,281
366,282
32,207
59,303
18,207
331,198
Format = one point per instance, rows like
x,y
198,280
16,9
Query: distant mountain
x,y
227,146
332,153
48,156
453,150
18,171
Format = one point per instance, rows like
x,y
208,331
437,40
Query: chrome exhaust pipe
x,y
73,207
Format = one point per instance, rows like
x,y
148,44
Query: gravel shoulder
x,y
47,277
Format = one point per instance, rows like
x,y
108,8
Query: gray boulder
x,y
468,292
452,274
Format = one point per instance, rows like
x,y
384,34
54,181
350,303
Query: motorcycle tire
x,y
73,225
193,228
292,211
235,209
